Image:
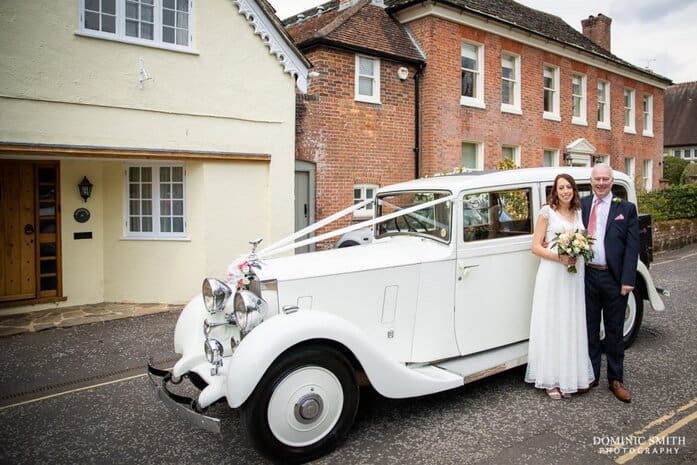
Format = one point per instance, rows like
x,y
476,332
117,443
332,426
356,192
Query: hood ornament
x,y
255,243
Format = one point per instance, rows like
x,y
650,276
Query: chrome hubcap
x,y
308,407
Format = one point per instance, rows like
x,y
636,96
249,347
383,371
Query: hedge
x,y
671,203
673,168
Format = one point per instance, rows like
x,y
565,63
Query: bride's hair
x,y
553,199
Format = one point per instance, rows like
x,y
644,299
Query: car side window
x,y
491,215
584,189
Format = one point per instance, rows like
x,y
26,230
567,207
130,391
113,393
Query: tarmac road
x,y
78,395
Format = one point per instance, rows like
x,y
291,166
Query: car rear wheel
x,y
304,405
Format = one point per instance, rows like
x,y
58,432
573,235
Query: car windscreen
x,y
433,222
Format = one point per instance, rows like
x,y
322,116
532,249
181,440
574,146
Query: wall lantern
x,y
597,159
567,158
85,188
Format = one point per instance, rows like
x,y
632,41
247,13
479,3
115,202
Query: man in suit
x,y
610,276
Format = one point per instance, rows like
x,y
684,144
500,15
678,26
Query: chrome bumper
x,y
184,407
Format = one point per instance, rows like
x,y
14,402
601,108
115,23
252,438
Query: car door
x,y
495,270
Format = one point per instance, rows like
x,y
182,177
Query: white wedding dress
x,y
558,347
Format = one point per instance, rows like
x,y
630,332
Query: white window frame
x,y
368,210
647,115
155,234
375,77
120,34
629,111
555,156
630,167
479,154
647,175
477,100
514,107
554,114
605,109
516,153
581,98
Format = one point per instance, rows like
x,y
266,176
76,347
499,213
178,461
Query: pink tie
x,y
593,218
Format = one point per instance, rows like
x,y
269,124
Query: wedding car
x,y
439,297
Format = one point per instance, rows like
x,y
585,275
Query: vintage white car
x,y
440,297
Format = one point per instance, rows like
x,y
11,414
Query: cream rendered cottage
x,y
181,115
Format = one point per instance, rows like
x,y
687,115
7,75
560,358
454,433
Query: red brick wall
x,y
354,142
446,123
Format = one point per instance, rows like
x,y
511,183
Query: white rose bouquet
x,y
574,244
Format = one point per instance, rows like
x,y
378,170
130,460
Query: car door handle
x,y
463,270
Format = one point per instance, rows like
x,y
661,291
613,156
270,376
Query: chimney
x,y
343,4
597,29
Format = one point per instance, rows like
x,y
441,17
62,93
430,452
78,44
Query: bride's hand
x,y
567,260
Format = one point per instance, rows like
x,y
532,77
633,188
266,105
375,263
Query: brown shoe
x,y
621,392
593,384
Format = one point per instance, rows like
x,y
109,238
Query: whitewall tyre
x,y
303,406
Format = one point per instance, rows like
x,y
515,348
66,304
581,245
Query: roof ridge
x,y
340,19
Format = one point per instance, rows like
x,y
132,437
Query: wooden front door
x,y
29,231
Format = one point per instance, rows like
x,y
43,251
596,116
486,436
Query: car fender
x,y
651,293
258,350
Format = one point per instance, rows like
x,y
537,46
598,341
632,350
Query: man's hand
x,y
626,289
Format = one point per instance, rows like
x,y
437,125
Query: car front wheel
x,y
303,406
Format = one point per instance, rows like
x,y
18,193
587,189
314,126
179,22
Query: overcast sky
x,y
653,33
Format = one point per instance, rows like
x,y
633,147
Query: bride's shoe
x,y
553,393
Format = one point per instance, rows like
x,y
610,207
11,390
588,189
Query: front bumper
x,y
184,407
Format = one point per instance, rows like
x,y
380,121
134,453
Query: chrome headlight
x,y
214,351
215,294
250,310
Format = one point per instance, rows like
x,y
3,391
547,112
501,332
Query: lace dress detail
x,y
558,346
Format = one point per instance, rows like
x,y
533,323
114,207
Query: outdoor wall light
x,y
85,188
597,160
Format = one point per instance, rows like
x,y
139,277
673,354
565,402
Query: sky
x,y
647,33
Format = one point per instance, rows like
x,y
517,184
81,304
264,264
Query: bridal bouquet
x,y
574,243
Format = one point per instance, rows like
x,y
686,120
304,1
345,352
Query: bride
x,y
558,358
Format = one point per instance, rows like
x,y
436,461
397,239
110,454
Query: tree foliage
x,y
673,168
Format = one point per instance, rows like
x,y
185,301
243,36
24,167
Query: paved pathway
x,y
66,317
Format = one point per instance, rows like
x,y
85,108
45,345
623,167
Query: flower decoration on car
x,y
240,272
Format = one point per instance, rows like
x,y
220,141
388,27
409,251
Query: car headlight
x,y
214,351
215,294
249,310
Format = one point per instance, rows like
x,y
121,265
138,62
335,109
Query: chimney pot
x,y
597,29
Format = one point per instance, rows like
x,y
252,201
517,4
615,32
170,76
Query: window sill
x,y
647,134
156,238
604,126
629,130
362,99
144,43
505,108
551,116
474,103
579,122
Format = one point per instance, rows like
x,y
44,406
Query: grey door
x,y
304,200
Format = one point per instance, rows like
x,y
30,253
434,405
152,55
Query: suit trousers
x,y
603,297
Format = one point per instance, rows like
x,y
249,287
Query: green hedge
x,y
673,168
671,203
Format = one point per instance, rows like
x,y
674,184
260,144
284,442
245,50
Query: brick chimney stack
x,y
597,29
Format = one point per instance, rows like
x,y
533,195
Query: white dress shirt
x,y
601,214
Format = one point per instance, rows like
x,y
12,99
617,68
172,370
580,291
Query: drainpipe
x,y
417,119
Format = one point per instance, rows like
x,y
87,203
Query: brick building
x,y
407,88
